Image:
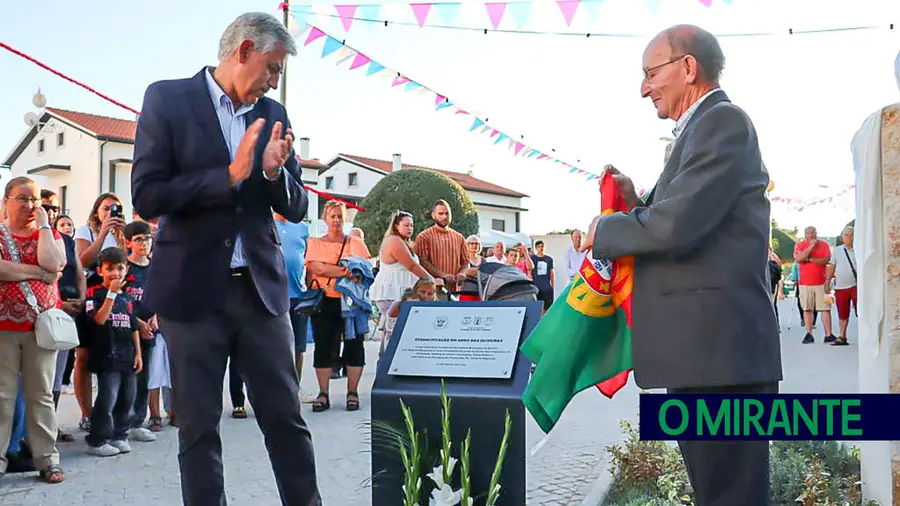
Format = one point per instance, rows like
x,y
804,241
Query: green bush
x,y
807,473
414,191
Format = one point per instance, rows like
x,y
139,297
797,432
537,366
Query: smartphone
x,y
115,211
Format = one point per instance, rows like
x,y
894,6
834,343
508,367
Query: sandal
x,y
239,412
841,341
322,403
52,474
64,437
352,401
155,424
85,424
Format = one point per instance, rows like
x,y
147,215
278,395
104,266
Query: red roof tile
x,y
102,126
312,164
466,181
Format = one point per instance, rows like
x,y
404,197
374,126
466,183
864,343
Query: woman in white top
x,y
103,230
400,268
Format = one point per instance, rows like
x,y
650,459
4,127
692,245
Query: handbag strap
x,y
340,255
14,256
849,261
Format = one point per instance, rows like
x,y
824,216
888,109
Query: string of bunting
x,y
480,124
799,204
516,14
133,110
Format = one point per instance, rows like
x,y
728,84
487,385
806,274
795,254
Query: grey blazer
x,y
702,313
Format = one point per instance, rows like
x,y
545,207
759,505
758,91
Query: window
x,y
498,225
352,180
40,145
329,183
61,139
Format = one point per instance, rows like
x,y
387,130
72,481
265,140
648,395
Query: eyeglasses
x,y
142,239
647,75
21,199
51,209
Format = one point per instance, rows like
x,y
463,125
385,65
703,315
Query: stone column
x,y
879,364
890,164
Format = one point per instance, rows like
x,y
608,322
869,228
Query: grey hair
x,y
702,45
263,29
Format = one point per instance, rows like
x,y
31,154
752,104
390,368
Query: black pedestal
x,y
476,404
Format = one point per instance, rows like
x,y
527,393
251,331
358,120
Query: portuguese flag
x,y
585,337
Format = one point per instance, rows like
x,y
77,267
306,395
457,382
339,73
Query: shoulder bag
x,y
54,329
310,302
850,261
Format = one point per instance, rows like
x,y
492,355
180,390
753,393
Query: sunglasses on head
x,y
49,208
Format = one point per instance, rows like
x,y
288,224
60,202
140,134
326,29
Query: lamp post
x,y
286,7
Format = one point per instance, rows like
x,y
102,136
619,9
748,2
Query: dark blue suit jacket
x,y
180,172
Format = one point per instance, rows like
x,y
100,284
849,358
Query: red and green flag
x,y
585,337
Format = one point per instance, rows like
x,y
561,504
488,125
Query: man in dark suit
x,y
703,315
217,282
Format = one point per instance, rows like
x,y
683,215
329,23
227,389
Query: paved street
x,y
561,471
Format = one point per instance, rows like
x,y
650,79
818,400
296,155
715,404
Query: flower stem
x,y
411,460
494,487
464,478
445,434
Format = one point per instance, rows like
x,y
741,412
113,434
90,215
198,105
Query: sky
x,y
806,94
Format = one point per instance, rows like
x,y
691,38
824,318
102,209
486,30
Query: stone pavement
x,y
562,468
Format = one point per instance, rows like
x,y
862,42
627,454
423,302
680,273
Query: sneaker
x,y
306,397
239,412
830,339
808,339
143,435
121,446
105,450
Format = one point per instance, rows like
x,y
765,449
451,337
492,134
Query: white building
x,y
351,177
80,156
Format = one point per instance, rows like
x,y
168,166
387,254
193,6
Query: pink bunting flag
x,y
495,11
314,34
518,149
494,132
346,13
421,12
400,80
543,156
438,99
568,8
359,61
460,111
706,3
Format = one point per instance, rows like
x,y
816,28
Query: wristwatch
x,y
45,225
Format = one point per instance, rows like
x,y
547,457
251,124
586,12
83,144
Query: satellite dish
x,y
39,99
31,119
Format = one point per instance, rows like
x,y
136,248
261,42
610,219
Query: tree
x,y
783,242
840,240
414,191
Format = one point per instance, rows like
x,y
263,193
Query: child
x,y
423,290
138,240
115,355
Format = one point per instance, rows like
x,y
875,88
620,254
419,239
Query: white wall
x,y
486,215
80,151
311,178
555,247
366,179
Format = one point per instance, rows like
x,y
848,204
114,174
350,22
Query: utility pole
x,y
286,6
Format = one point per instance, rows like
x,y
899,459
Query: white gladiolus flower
x,y
444,496
437,476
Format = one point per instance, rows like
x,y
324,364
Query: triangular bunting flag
x,y
533,153
447,11
518,149
543,156
475,124
706,3
297,22
411,85
494,132
568,8
511,143
486,129
361,60
500,137
400,80
592,8
653,5
331,45
374,67
520,12
369,14
345,54
346,13
460,111
421,12
443,105
495,12
314,34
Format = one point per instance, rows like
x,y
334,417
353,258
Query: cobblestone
x,y
561,470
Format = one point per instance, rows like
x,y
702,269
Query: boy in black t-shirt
x,y
115,356
138,240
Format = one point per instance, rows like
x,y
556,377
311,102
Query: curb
x,y
599,489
